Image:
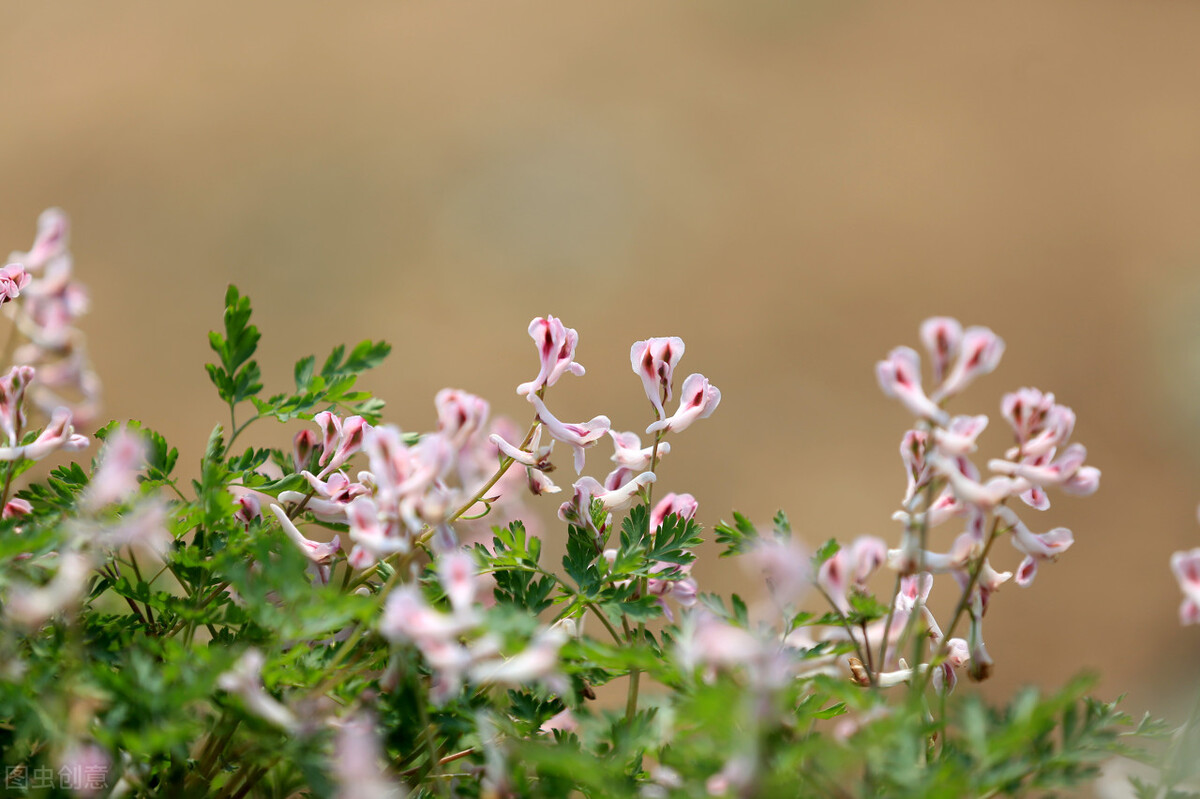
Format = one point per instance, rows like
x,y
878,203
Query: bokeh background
x,y
790,187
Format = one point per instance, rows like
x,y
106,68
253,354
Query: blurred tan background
x,y
790,187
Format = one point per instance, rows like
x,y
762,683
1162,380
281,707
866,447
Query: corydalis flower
x,y
356,764
316,551
588,489
58,434
942,337
50,242
578,436
31,606
12,401
341,439
979,353
13,278
899,376
556,353
536,461
245,680
1036,547
697,400
654,361
851,565
630,454
461,415
1186,566
116,478
682,505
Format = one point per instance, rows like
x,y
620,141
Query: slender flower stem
x,y
965,600
858,650
635,674
887,626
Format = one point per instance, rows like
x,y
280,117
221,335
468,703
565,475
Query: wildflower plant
x,y
360,611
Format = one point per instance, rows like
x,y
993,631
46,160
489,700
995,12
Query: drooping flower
x,y
577,436
1036,547
303,446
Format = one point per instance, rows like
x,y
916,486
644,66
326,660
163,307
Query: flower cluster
x,y
51,303
333,612
944,484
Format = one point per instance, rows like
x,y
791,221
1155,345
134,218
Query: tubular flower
x,y
654,361
58,434
461,415
899,376
578,436
697,400
556,353
1186,566
12,402
116,478
630,453
682,505
315,551
942,337
50,242
979,353
13,278
342,438
589,488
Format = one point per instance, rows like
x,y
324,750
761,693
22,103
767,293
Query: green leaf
x,y
739,537
236,376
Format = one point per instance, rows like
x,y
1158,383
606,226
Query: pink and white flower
x,y
50,242
631,454
121,463
682,505
13,278
942,337
899,376
556,353
697,400
979,353
1186,566
654,361
316,551
58,434
578,436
